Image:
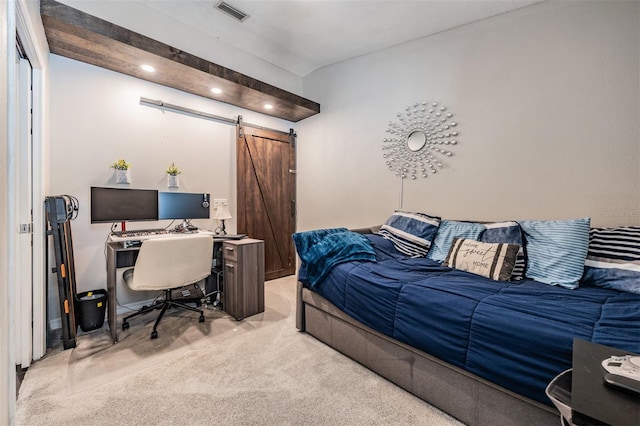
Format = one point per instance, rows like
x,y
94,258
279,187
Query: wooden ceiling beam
x,y
83,37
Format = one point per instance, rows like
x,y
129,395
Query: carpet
x,y
258,371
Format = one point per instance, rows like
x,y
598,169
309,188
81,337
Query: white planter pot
x,y
173,181
123,176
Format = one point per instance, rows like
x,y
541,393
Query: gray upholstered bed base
x,y
463,395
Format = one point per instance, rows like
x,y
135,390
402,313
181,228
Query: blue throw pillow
x,y
450,229
511,233
411,233
613,260
556,250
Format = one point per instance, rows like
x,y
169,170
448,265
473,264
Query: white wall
x,y
96,117
547,101
7,360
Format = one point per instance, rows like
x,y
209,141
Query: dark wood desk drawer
x,y
243,288
230,251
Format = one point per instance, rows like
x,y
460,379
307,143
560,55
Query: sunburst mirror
x,y
420,140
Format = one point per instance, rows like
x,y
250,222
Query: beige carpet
x,y
259,371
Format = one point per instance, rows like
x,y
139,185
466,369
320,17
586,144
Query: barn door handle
x,y
293,207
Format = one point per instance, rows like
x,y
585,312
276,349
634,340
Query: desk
x,y
592,401
119,256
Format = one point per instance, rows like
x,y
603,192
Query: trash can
x,y
90,309
559,392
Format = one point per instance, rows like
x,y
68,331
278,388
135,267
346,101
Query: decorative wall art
x,y
420,141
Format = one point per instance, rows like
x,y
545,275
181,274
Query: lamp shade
x,y
222,212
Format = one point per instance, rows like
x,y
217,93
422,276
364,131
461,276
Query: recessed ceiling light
x,y
147,68
268,106
216,90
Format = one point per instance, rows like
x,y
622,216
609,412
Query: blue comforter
x,y
518,335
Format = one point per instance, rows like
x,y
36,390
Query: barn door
x,y
266,188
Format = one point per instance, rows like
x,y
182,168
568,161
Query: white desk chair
x,y
166,264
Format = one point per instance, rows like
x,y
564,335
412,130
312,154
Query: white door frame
x,y
23,206
31,34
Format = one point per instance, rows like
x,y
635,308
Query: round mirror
x,y
416,141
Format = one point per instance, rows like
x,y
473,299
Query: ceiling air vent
x,y
231,11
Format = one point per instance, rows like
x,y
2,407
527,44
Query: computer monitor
x,y
183,205
123,205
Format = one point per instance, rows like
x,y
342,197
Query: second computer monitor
x,y
183,205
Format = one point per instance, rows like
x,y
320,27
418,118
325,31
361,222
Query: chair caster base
x,y
154,334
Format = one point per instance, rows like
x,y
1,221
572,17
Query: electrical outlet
x,y
217,202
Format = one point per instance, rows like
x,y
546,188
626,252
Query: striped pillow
x,y
613,260
411,233
450,229
507,232
491,260
556,250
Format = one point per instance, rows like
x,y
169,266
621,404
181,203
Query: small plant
x,y
173,170
121,164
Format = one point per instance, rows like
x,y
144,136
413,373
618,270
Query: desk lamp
x,y
222,214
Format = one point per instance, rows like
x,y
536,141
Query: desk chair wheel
x,y
154,334
125,325
201,319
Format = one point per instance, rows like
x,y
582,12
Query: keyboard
x,y
146,234
137,233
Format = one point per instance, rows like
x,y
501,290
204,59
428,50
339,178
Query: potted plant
x,y
173,180
122,171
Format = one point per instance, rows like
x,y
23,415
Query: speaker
x,y
205,200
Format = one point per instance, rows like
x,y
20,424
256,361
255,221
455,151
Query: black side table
x,y
592,401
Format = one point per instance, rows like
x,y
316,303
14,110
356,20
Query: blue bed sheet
x,y
518,335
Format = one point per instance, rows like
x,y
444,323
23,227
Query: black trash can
x,y
90,309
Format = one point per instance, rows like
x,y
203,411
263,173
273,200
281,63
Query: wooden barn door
x,y
266,185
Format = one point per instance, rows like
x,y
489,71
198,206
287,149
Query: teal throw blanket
x,y
322,249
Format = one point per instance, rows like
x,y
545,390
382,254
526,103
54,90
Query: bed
x,y
480,349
